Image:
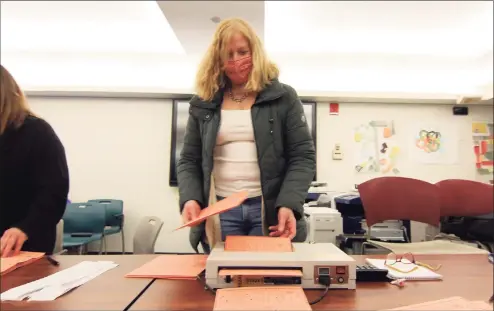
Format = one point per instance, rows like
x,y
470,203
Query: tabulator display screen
x,y
323,271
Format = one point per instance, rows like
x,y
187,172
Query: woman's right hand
x,y
191,211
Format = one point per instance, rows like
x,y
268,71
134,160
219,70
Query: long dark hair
x,y
13,104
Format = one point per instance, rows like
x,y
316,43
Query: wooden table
x,y
469,276
109,291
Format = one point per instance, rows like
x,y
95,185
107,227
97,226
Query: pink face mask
x,y
238,71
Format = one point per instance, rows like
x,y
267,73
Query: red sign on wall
x,y
334,109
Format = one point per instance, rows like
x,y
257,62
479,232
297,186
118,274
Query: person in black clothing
x,y
34,178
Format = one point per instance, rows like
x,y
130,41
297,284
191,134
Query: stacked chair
x,y
146,234
94,220
58,249
393,198
114,219
83,223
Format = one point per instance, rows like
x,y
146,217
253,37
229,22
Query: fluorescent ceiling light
x,y
86,27
445,28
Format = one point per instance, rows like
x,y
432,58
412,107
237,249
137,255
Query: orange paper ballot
x,y
259,272
8,264
261,298
219,207
174,267
239,243
452,303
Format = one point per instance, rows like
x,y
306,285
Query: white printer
x,y
324,224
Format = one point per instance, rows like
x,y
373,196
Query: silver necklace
x,y
237,100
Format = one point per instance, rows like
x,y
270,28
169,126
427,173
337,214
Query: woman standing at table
x,y
34,178
246,131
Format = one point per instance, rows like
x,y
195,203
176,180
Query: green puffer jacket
x,y
285,149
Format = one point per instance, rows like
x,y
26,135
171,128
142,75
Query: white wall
x,y
120,148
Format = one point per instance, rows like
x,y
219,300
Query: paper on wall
x,y
434,143
483,142
377,148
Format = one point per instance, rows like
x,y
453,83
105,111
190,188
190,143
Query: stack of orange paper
x,y
9,264
171,267
261,298
238,243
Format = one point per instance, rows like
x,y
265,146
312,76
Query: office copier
x,y
350,207
324,224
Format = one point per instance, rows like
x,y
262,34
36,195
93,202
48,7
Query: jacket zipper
x,y
259,164
257,148
255,138
263,206
212,150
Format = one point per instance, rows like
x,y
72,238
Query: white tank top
x,y
235,155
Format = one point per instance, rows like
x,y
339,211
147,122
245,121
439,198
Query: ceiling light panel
x,y
446,28
86,27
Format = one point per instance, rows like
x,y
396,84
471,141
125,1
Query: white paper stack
x,y
55,285
400,270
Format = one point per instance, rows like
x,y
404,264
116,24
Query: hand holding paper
x,y
222,206
191,211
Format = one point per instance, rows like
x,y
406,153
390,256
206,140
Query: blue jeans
x,y
245,219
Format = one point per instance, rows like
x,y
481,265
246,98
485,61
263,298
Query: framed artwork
x,y
180,115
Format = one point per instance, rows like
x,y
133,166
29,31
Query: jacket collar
x,y
271,92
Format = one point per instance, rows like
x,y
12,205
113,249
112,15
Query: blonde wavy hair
x,y
13,104
210,75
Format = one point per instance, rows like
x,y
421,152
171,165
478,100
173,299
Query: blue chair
x,y
114,218
83,223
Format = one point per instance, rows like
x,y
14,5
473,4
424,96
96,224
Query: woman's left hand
x,y
287,225
11,242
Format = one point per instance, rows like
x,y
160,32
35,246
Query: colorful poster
x,y
377,150
434,144
483,136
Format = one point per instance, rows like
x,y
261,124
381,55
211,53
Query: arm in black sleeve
x,y
301,160
50,182
189,170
